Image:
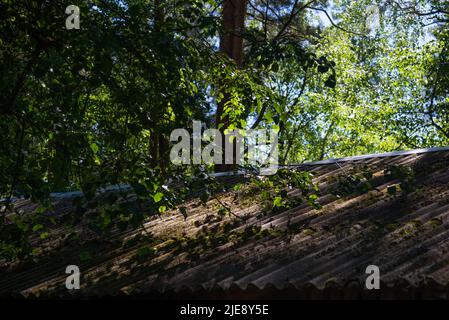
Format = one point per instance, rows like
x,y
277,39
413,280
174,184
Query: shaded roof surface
x,y
406,234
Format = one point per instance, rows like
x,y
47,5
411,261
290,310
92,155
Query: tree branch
x,y
293,14
333,23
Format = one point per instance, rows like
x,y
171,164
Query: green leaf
x,y
278,202
331,82
40,210
85,256
37,227
44,235
144,252
313,201
94,148
204,197
158,197
323,68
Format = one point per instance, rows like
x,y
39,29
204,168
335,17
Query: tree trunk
x,y
159,142
231,43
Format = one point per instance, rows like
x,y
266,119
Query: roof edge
x,y
370,156
311,163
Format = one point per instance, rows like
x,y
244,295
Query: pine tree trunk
x,y
231,43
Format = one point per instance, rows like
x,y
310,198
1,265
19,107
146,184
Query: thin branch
x,y
303,87
270,9
430,111
293,14
440,128
292,138
260,116
325,139
9,107
333,23
413,10
226,208
266,19
437,21
436,12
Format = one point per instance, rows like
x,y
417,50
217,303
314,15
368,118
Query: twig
x,y
333,23
293,14
226,208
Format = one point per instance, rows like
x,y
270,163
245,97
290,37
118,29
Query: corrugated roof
x,y
405,234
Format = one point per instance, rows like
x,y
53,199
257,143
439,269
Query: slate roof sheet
x,y
405,234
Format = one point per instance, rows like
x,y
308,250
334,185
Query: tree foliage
x,y
90,108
